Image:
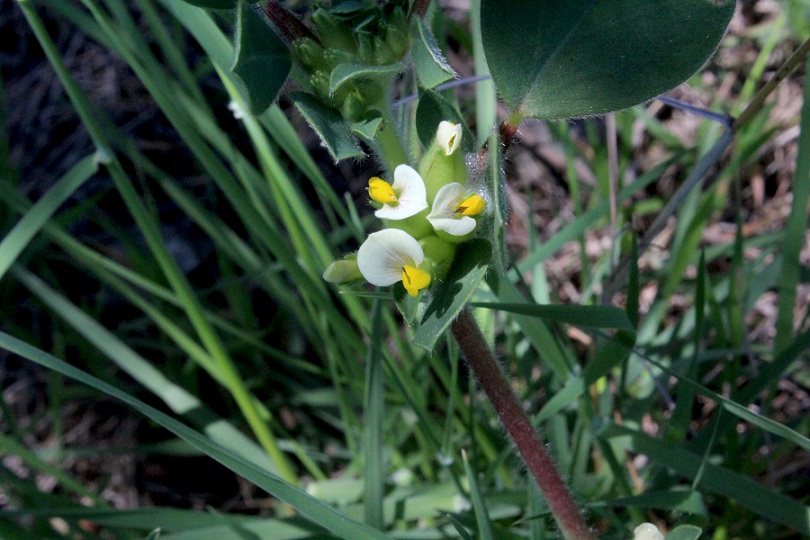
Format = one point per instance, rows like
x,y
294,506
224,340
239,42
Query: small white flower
x,y
448,136
392,255
453,208
404,198
647,531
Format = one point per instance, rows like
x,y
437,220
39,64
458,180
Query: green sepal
x,y
417,226
437,170
439,254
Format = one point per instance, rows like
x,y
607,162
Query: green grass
x,y
387,440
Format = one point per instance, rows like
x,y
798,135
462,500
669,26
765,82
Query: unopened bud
x,y
333,32
443,163
343,271
647,531
448,137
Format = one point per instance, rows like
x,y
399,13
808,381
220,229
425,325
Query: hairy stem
x,y
476,350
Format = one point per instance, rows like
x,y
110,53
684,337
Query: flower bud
x,y
448,137
309,53
344,270
443,163
320,83
647,531
333,32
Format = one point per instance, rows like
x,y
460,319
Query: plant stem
x,y
781,74
476,350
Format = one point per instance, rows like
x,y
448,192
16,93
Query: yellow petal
x,y
414,279
471,206
381,191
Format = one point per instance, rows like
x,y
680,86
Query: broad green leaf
x,y
585,316
213,4
328,124
453,293
685,532
428,61
261,60
432,109
567,58
352,72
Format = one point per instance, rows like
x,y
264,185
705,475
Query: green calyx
x,y
343,271
439,254
417,226
438,170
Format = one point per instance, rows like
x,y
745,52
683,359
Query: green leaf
x,y
21,235
566,58
407,305
432,109
675,500
685,532
261,61
481,514
213,4
353,72
453,293
368,127
750,494
428,61
585,316
328,124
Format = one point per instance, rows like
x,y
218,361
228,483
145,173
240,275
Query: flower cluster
x,y
427,214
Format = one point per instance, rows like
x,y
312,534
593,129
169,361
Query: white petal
x,y
447,200
384,253
449,137
443,214
411,195
455,226
647,531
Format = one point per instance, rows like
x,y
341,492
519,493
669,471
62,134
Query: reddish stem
x,y
288,26
474,346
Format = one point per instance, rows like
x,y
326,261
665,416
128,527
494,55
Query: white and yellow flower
x,y
390,256
647,531
404,198
454,208
448,137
